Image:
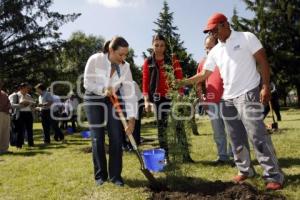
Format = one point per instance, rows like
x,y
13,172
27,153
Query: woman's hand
x,y
148,106
109,91
130,128
24,103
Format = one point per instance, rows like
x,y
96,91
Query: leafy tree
x,y
277,24
166,28
29,36
136,72
75,53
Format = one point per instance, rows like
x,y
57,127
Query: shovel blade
x,y
154,184
274,126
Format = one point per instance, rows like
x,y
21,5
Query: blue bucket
x,y
70,130
86,134
154,159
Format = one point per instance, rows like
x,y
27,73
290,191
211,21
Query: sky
x,y
133,19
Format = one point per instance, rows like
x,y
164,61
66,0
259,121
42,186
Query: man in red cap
x,y
236,56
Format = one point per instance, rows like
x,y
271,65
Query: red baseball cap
x,y
214,20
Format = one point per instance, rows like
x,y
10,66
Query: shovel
x,y
274,125
154,184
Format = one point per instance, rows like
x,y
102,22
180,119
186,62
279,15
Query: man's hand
x,y
265,95
180,83
130,128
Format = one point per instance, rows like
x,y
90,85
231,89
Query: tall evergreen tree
x,y
277,24
168,30
29,36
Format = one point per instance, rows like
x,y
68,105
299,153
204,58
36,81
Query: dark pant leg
x,y
276,106
19,125
46,123
28,123
74,119
96,112
137,129
266,110
58,135
115,132
162,108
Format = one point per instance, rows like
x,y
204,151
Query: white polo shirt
x,y
97,77
236,63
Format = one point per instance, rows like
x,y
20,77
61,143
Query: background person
x,y
4,120
213,94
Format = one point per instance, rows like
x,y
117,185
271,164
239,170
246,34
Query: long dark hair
x,y
167,57
115,43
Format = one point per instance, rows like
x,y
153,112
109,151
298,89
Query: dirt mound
x,y
216,191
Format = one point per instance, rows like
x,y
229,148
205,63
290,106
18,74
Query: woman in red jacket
x,y
155,86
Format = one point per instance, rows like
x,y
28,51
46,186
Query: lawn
x,y
64,171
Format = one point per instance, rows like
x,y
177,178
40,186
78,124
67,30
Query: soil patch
x,y
216,191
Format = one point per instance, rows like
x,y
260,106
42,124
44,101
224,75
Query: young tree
x,y
168,30
29,36
277,24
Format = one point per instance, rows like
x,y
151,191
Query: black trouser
x,y
162,109
26,123
275,106
19,131
163,106
137,128
47,123
99,111
58,135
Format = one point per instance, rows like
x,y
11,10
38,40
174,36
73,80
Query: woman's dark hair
x,y
22,85
158,37
162,38
115,43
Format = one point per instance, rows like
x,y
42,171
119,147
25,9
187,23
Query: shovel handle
x,y
116,104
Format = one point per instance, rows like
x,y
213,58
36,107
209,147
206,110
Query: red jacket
x,y
163,86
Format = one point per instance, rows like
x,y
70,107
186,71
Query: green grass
x,y
64,171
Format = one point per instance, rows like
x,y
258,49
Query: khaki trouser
x,y
4,131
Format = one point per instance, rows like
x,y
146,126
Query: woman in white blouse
x,y
105,74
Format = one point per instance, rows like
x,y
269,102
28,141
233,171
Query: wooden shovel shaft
x,y
116,104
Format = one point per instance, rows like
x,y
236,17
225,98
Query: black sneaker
x,y
100,181
119,183
219,162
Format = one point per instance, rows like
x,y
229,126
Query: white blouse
x,y
97,77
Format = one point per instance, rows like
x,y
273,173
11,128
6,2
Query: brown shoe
x,y
239,178
274,186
